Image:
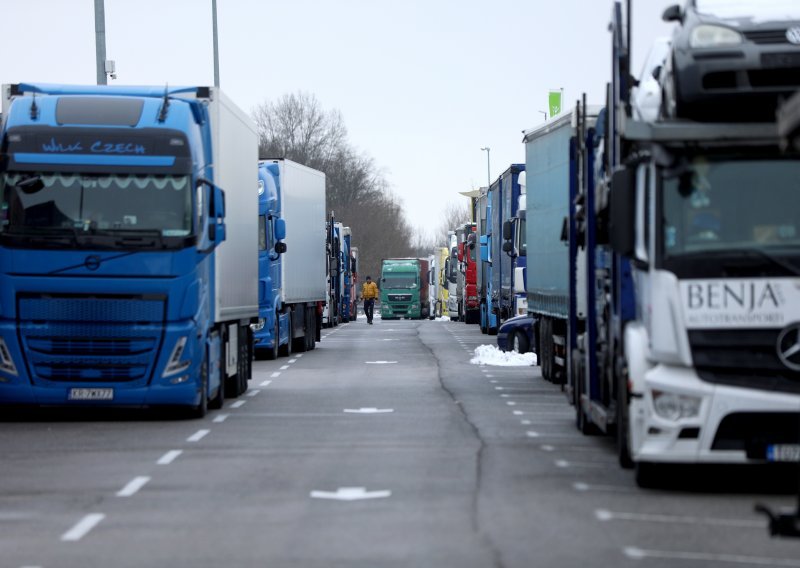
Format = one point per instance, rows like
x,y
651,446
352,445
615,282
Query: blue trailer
x,y
128,246
291,258
550,180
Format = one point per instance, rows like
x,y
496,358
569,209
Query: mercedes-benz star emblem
x,y
793,35
789,346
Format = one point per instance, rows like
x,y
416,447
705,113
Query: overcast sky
x,y
423,85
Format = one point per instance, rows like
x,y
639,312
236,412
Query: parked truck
x,y
291,258
334,275
128,246
515,246
502,202
467,287
452,276
549,166
404,288
685,256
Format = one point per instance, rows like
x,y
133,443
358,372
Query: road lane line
x,y
83,527
606,515
284,367
641,554
253,392
238,404
220,418
292,361
169,457
275,375
133,486
265,384
197,436
518,413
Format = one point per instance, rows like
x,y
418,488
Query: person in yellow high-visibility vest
x,y
369,293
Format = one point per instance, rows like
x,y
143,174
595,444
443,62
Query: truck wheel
x,y
201,409
216,402
623,425
286,350
272,353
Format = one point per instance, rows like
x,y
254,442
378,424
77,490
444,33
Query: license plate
x,y
783,453
91,394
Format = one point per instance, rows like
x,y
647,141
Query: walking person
x,y
369,292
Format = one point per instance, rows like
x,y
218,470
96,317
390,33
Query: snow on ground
x,y
491,355
442,318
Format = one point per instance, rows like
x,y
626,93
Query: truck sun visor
x,y
112,111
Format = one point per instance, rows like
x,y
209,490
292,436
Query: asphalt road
x,y
384,447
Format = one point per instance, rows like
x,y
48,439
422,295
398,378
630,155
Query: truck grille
x,y
767,37
399,297
742,358
95,340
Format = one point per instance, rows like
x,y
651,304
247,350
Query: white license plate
x,y
783,453
91,394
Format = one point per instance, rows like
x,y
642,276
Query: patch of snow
x,y
442,318
491,355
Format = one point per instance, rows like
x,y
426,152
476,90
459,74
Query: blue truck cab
x,y
115,235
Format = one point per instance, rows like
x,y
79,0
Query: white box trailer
x,y
302,195
235,170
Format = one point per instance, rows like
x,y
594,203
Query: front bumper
x,y
733,424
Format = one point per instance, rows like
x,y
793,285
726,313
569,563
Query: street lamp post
x,y
100,40
216,41
488,167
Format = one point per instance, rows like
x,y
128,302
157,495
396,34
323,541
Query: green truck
x,y
404,288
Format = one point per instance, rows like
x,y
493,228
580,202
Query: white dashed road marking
x,y
83,527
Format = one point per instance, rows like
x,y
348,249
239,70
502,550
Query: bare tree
x,y
296,127
455,214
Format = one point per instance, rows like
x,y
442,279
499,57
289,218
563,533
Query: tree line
x,y
298,128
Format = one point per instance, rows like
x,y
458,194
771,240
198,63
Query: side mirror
x,y
216,215
673,14
508,246
280,248
280,229
657,72
508,232
622,206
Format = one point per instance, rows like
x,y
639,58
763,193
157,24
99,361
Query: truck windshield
x,y
722,205
406,281
34,201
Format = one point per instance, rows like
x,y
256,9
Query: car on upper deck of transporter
x,y
731,58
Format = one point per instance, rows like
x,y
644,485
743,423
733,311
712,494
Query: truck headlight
x,y
175,365
671,406
6,362
713,36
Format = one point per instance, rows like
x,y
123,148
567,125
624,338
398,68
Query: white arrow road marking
x,y
380,362
640,553
133,486
605,515
369,410
169,457
350,494
83,527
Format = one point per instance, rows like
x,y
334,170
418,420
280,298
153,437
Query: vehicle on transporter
x,y
442,282
291,258
125,212
433,284
685,255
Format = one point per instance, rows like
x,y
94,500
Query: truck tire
x,y
286,349
218,400
201,409
272,353
623,424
